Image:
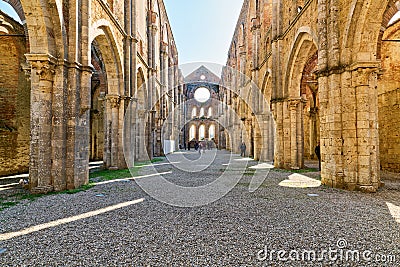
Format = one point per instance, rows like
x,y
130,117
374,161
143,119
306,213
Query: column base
x,y
42,189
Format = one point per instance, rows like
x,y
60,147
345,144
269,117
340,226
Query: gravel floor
x,y
235,230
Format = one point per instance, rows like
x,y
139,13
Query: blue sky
x,y
203,29
6,8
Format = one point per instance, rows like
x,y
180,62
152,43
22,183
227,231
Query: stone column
x,y
113,104
152,30
258,146
42,77
365,80
141,138
313,132
281,135
130,133
126,125
59,127
81,176
293,134
271,138
164,77
296,133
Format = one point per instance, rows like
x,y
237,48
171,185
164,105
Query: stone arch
x,y
266,89
304,46
141,91
98,91
370,18
290,140
310,96
44,25
111,57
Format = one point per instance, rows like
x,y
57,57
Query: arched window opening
x,y
211,132
201,112
202,132
192,133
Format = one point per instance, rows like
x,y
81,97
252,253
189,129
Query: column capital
x,y
152,17
164,49
89,69
294,102
27,68
361,76
255,24
43,64
142,113
113,100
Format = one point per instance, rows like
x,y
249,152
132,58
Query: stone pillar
x,y
171,101
365,80
152,30
59,128
257,145
293,134
113,104
271,138
350,152
164,77
313,132
129,140
141,138
81,176
281,134
42,77
296,134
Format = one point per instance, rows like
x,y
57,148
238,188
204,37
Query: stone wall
x,y
389,101
356,80
73,120
14,100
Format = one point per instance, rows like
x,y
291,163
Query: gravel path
x,y
235,230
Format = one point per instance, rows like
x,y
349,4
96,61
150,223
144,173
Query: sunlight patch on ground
x,y
394,211
262,166
52,224
244,159
8,185
300,181
159,164
15,176
133,178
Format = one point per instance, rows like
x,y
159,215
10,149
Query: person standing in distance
x,y
243,150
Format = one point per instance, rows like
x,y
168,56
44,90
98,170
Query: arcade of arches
x,y
328,73
299,73
66,87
